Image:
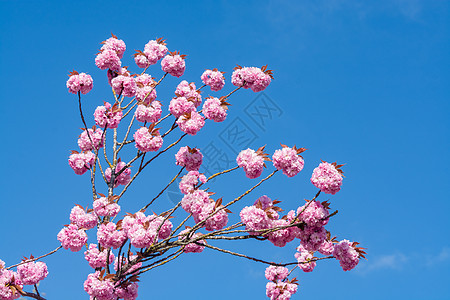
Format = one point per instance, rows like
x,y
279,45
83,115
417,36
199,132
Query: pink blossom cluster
x,y
189,181
274,273
280,290
154,50
201,207
9,283
190,158
146,140
72,237
181,105
251,162
174,64
191,123
145,89
216,222
99,288
251,78
313,238
110,54
81,162
254,219
189,91
124,85
196,247
123,178
109,235
97,258
108,59
33,272
113,74
104,207
81,82
143,231
327,178
148,112
288,160
127,291
113,43
215,109
305,259
214,79
106,116
346,254
82,219
313,214
96,135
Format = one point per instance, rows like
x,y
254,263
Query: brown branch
x,y
34,259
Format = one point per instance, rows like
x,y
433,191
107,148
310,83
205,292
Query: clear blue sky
x,y
364,83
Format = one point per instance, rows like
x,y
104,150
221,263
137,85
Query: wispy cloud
x,y
400,261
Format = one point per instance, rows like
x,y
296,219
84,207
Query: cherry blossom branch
x,y
33,259
217,174
160,193
82,118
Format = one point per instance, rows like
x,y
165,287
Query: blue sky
x,y
358,82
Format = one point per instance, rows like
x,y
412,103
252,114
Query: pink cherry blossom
x,y
81,162
72,237
214,79
109,236
214,109
288,160
79,83
190,158
189,91
97,258
107,116
99,288
108,59
82,219
327,178
33,272
173,64
146,141
148,113
189,180
106,208
124,85
123,178
191,123
92,141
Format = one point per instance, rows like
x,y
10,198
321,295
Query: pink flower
x,y
215,109
250,77
92,141
252,162
155,50
104,207
81,162
347,255
127,291
143,235
218,221
99,288
147,140
97,258
9,279
281,290
193,202
192,247
73,238
214,79
315,214
254,219
141,60
189,91
191,158
82,219
327,177
33,272
274,273
174,64
303,257
124,85
181,105
148,113
145,89
79,83
288,160
312,238
191,123
281,237
109,236
123,178
113,43
108,59
189,180
107,116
